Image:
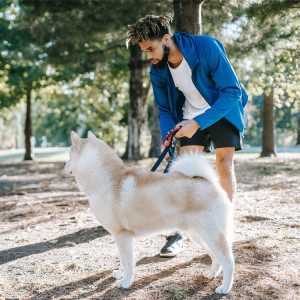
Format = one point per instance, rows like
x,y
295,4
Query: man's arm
x,y
166,120
226,80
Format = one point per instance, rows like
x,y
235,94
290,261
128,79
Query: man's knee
x,y
224,160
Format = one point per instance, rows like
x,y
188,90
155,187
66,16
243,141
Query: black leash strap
x,y
169,147
161,157
170,160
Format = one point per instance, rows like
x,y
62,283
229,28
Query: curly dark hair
x,y
150,27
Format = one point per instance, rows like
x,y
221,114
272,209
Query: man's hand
x,y
188,128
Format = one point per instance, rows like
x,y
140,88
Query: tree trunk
x,y
187,16
268,136
137,104
298,132
155,133
28,127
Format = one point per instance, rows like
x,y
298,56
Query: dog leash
x,y
169,147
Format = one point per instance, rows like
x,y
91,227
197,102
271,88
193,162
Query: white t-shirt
x,y
195,104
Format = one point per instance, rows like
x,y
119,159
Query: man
x,y
195,88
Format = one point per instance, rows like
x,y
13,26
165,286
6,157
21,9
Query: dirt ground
x,y
52,247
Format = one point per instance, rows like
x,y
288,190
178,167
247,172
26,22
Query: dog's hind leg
x,y
219,248
215,268
118,274
125,247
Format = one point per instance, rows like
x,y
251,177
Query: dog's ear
x,y
91,135
75,138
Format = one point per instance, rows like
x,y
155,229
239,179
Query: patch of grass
x,y
71,267
176,291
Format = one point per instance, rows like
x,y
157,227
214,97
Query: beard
x,y
163,62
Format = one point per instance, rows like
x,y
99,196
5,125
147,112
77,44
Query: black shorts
x,y
222,134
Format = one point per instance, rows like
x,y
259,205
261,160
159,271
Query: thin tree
x,y
269,133
138,92
26,66
155,133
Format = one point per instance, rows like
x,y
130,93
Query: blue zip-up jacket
x,y
212,75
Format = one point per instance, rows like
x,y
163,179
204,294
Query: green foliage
x,y
21,60
262,42
84,105
88,39
83,34
73,55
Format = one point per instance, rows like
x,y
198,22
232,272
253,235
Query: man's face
x,y
156,51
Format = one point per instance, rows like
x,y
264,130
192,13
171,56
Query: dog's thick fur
x,y
131,202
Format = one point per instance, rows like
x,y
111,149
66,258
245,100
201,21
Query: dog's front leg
x,y
124,244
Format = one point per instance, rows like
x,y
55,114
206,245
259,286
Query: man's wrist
x,y
196,123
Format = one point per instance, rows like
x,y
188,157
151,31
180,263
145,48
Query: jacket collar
x,y
187,46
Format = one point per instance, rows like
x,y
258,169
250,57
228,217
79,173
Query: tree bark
x,y
268,136
298,132
187,16
28,127
155,133
137,104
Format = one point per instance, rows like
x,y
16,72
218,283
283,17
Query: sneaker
x,y
173,246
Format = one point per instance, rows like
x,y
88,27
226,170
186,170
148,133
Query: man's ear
x,y
91,135
75,138
166,39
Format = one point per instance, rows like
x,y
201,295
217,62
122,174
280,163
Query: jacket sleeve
x,y
225,80
160,91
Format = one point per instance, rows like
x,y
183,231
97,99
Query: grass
x,y
62,155
17,156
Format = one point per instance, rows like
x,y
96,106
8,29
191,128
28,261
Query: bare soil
x,y
52,247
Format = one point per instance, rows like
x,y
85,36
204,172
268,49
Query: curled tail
x,y
194,165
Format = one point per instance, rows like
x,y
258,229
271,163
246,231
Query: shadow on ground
x,y
79,237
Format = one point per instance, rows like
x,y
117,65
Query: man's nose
x,y
149,55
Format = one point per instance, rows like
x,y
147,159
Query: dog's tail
x,y
194,165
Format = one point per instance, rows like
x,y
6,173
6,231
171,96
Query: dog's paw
x,y
117,274
125,284
222,290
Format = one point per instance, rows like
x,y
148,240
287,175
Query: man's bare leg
x,y
225,168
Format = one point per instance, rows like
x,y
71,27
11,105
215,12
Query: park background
x,y
64,66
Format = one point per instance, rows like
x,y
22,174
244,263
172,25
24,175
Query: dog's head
x,y
83,153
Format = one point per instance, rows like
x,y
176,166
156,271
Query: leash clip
x,y
168,139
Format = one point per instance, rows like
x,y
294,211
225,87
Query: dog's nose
x,y
64,164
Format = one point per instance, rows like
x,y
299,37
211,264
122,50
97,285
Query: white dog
x,y
131,202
